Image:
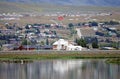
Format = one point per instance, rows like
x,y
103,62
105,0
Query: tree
x,y
81,42
73,31
115,45
83,23
70,25
113,23
47,41
79,24
95,45
42,43
26,42
76,40
94,23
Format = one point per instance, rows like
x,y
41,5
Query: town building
x,y
62,44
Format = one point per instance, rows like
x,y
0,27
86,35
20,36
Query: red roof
x,y
60,18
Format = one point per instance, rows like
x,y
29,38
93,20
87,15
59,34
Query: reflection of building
x,y
62,44
62,66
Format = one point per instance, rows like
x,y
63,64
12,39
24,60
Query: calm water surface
x,y
60,69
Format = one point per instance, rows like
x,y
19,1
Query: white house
x,y
62,44
72,47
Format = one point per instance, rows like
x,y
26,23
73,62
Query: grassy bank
x,y
29,57
113,61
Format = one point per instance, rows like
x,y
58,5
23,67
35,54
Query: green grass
x,y
113,61
26,58
59,56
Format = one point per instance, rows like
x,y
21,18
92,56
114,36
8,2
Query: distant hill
x,y
72,2
16,6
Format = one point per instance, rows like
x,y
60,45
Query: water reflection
x,y
60,69
63,66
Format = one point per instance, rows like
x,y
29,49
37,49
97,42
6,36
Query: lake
x,y
60,69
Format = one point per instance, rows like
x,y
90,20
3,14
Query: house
x,y
25,47
72,47
46,47
7,47
7,31
33,47
62,44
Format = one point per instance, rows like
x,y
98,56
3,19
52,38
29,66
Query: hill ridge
x,y
72,2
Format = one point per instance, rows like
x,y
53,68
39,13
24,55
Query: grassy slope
x,y
21,7
6,7
17,7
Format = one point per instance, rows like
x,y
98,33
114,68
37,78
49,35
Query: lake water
x,y
60,69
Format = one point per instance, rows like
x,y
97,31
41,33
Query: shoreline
x,y
46,54
112,57
59,51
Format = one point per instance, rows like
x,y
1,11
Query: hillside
x,y
6,7
72,2
17,7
